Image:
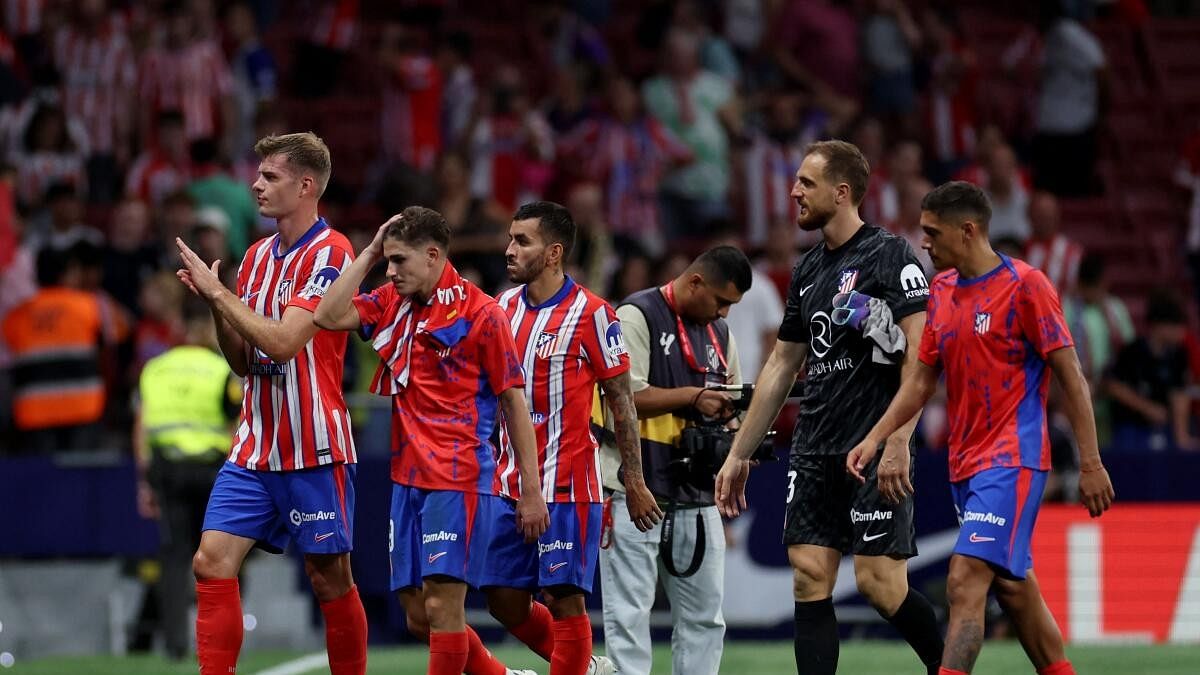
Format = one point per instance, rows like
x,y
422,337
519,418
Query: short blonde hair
x,y
305,150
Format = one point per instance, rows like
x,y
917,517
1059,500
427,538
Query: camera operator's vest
x,y
670,370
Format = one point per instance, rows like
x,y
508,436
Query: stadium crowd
x,y
663,126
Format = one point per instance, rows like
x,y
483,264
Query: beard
x,y
523,275
814,220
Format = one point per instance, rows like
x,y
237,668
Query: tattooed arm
x,y
618,395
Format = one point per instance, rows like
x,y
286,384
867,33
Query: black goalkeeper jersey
x,y
845,390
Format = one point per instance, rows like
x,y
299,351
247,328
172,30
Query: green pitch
x,y
741,658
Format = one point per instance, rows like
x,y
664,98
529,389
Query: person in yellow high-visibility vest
x,y
186,403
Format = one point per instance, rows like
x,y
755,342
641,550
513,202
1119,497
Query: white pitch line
x,y
304,664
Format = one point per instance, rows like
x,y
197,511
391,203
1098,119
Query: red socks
x,y
218,625
572,646
1061,668
535,632
950,671
447,653
479,660
346,634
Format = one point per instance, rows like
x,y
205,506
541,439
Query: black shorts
x,y
827,507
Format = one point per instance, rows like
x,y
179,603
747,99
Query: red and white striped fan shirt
x,y
1058,258
23,17
98,75
293,414
770,173
566,344
191,79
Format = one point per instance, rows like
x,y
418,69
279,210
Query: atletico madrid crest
x,y
847,281
544,347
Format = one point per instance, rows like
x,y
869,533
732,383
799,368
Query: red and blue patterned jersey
x,y
444,363
566,344
293,414
991,335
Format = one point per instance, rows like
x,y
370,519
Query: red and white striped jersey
x,y
770,173
411,120
1058,258
567,344
23,17
153,176
293,414
98,74
191,79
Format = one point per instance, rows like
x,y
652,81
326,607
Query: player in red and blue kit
x,y
569,339
994,324
449,364
290,474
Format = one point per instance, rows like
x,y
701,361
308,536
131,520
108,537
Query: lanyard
x,y
685,343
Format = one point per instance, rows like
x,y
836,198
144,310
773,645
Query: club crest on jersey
x,y
285,290
847,281
983,323
544,347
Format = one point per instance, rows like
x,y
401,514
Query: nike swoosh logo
x,y
976,539
874,536
804,290
322,537
433,557
556,567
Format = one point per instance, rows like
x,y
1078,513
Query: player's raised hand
x,y
731,486
1096,490
200,278
374,250
532,516
643,507
860,457
892,474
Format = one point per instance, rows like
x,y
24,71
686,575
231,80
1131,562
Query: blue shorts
x,y
565,555
437,532
996,511
312,507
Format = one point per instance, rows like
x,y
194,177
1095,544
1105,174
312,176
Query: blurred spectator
x,y
131,254
745,25
560,38
18,274
99,78
213,186
55,338
458,88
24,24
174,218
716,56
329,37
1069,104
702,110
793,120
1148,383
784,252
593,258
568,105
255,76
1187,176
66,227
47,148
412,99
161,324
268,121
903,167
1100,324
478,227
187,72
908,219
210,240
889,38
1009,198
627,152
868,135
634,274
951,114
511,145
1049,250
164,166
816,44
990,138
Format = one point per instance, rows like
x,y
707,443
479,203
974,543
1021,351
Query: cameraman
x,y
678,344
